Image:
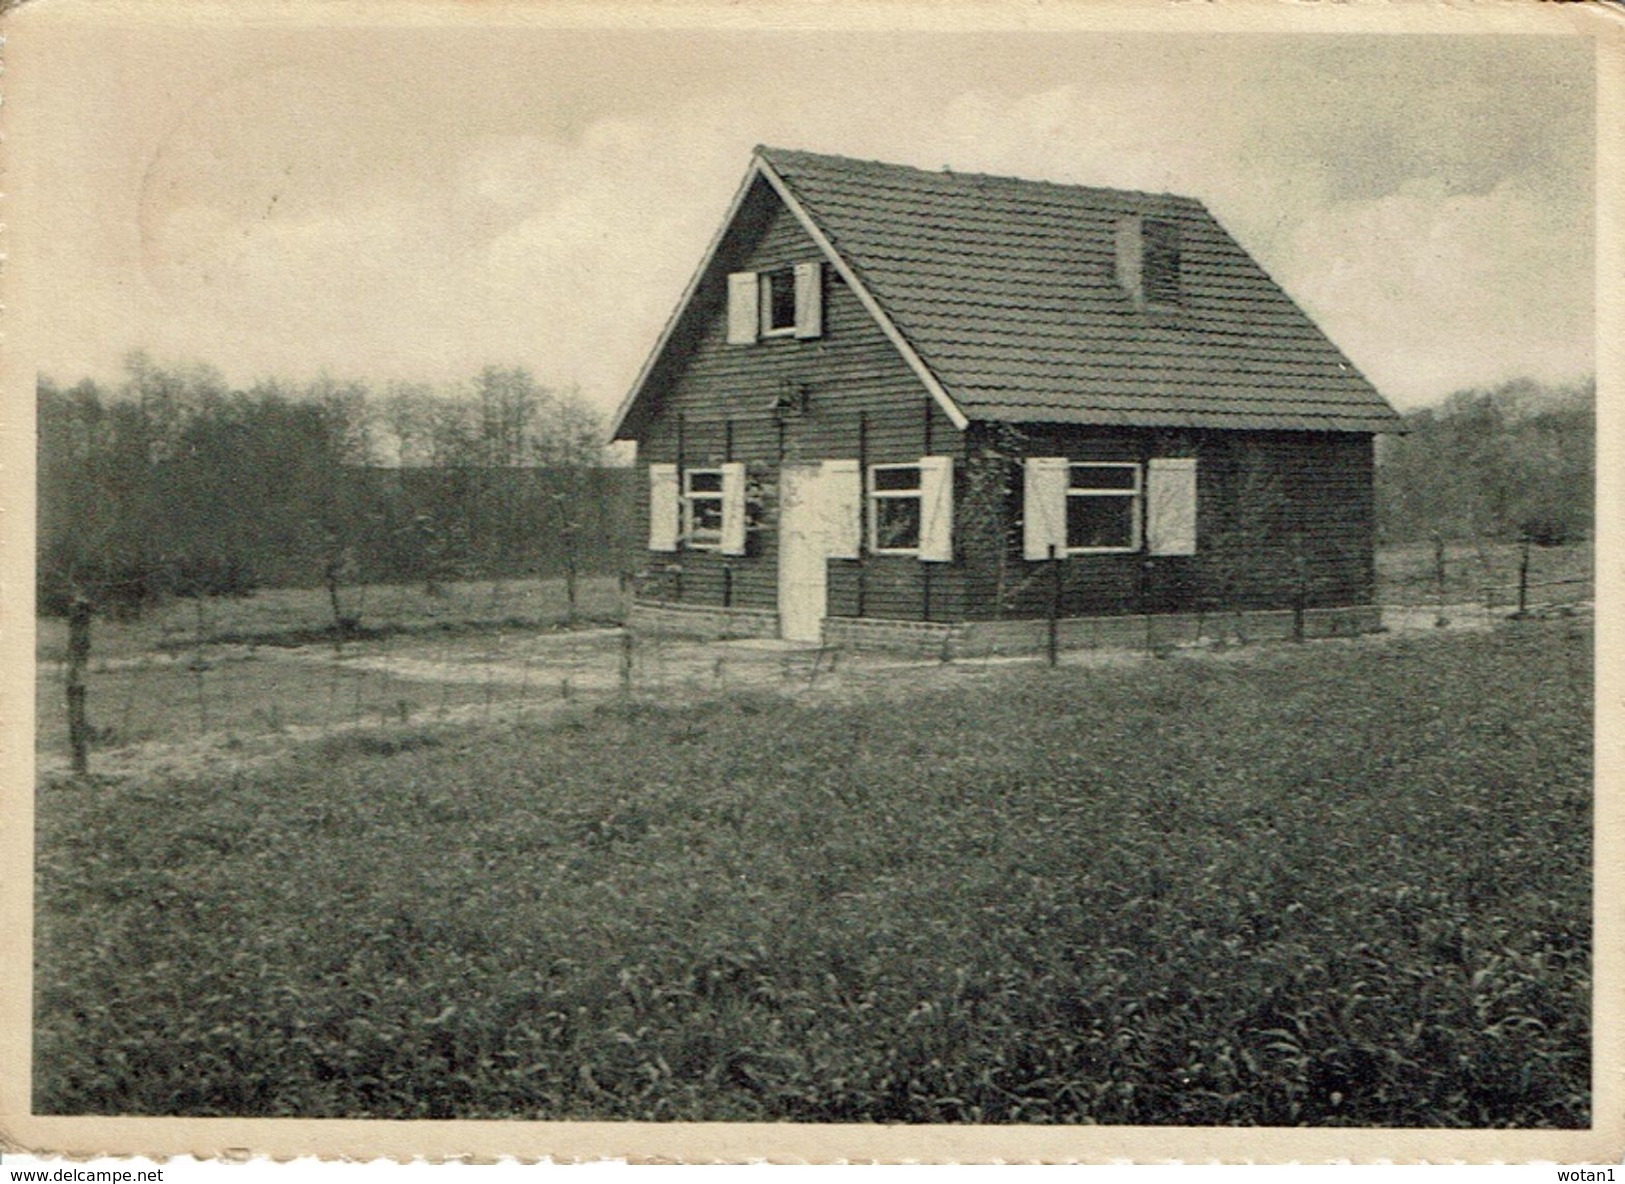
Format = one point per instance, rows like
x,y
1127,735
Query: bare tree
x,y
349,415
570,444
509,402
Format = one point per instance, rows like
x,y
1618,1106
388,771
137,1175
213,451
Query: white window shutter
x,y
843,501
662,507
743,314
1043,506
1170,517
733,509
809,299
937,509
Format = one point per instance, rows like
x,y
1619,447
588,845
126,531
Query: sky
x,y
415,203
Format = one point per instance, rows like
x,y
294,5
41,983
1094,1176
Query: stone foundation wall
x,y
1159,631
977,639
708,623
1030,636
926,639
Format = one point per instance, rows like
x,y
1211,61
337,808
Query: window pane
x,y
906,477
897,523
704,481
706,515
781,299
1099,521
1103,477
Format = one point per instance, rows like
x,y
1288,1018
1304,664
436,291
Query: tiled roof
x,y
1007,290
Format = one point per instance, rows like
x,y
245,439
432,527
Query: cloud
x,y
1430,291
564,254
1467,261
615,222
326,289
1428,199
1139,135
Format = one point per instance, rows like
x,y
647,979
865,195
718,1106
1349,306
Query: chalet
x,y
896,405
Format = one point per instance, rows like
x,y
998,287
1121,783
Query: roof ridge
x,y
768,152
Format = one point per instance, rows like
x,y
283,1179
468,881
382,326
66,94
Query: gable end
x,y
726,251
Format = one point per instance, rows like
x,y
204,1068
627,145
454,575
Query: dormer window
x,y
1148,260
777,302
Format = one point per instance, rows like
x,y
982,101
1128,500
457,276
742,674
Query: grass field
x,y
1331,884
296,616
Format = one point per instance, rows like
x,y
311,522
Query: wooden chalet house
x,y
900,406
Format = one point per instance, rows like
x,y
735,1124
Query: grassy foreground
x,y
1346,883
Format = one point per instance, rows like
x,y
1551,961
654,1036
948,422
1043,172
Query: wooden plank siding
x,y
1262,499
862,402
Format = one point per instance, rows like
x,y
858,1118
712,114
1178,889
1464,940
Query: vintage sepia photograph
x,y
590,566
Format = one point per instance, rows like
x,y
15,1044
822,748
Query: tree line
x,y
1517,461
173,483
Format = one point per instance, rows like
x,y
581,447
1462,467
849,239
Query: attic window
x,y
779,302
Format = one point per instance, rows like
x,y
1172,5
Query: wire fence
x,y
1536,595
235,673
213,671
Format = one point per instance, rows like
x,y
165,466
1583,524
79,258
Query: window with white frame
x,y
911,509
1102,507
702,508
1087,507
778,290
894,509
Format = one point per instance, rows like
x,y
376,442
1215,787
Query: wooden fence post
x,y
198,668
1523,579
78,659
1439,619
1142,601
567,535
1054,605
626,633
1300,586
